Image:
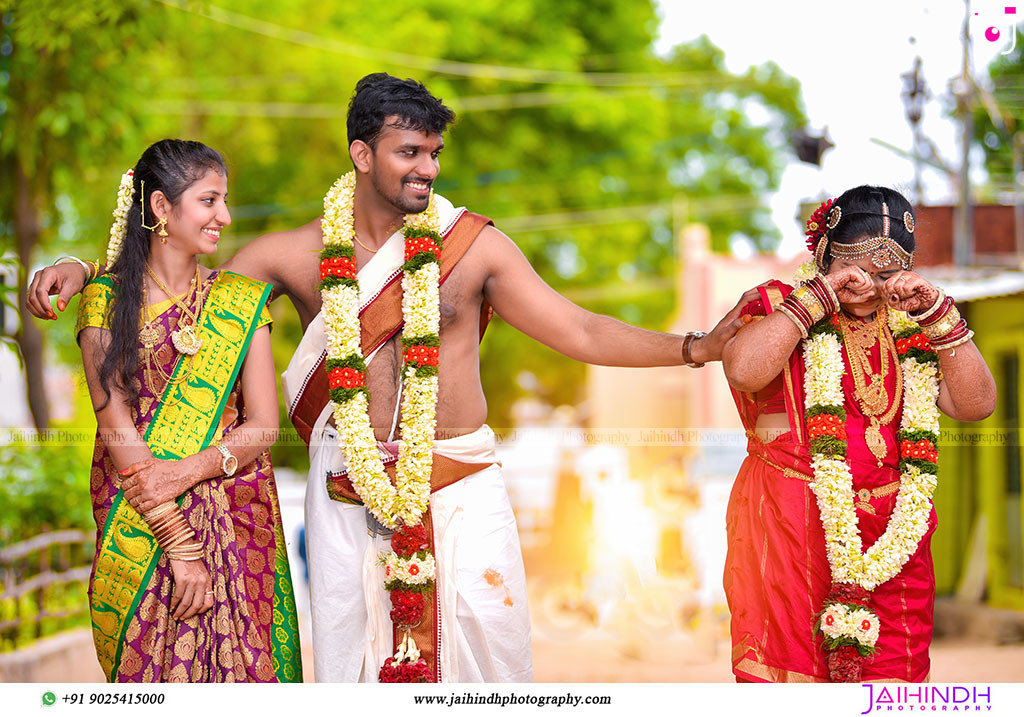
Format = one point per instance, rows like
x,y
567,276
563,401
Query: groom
x,y
476,626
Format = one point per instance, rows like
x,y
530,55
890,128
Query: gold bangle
x,y
177,540
810,302
823,282
953,344
193,551
173,534
943,326
160,510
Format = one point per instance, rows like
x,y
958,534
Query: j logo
x,y
1008,32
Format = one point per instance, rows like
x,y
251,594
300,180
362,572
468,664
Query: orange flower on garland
x,y
923,449
343,267
826,424
346,378
917,341
422,355
415,245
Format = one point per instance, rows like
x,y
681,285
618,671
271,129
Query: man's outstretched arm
x,y
525,301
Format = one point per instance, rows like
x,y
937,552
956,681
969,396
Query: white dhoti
x,y
481,585
484,621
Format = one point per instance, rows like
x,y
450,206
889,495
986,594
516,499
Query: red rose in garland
x,y
845,664
409,540
407,607
393,671
849,593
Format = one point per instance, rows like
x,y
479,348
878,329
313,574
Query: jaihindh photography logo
x,y
928,698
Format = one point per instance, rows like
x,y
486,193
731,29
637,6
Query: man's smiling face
x,y
405,164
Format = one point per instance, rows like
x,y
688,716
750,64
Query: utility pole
x,y
963,89
914,95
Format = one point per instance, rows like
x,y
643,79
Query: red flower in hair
x,y
816,226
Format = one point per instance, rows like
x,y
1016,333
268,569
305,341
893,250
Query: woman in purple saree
x,y
191,580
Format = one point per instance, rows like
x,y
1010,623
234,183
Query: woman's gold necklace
x,y
873,398
150,336
184,338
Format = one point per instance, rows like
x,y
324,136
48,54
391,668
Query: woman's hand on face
x,y
852,285
193,590
152,482
906,291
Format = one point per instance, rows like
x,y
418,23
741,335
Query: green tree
x,y
579,141
1000,118
67,85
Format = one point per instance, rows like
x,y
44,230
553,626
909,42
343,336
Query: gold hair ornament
x,y
883,249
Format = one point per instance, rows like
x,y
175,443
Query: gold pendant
x,y
876,442
149,336
186,341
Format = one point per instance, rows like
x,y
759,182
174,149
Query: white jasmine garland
x,y
833,481
404,503
833,485
824,373
806,271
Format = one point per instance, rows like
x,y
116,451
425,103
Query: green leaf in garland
x,y
829,446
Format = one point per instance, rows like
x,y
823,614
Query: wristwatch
x,y
687,342
230,464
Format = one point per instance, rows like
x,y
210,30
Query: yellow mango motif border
x,y
129,551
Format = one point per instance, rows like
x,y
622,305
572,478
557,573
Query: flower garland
x,y
410,568
850,627
125,193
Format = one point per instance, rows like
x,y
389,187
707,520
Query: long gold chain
x,y
185,309
873,399
151,364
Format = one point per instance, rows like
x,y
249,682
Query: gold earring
x,y
161,225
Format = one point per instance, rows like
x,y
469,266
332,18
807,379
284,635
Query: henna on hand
x,y
907,291
851,284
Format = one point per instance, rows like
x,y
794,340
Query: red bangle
x,y
821,291
944,308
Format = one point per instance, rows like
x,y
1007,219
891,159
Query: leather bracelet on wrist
x,y
688,340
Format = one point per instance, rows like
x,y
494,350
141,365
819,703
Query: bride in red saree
x,y
838,383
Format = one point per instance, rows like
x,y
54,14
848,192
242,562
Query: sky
x,y
848,57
